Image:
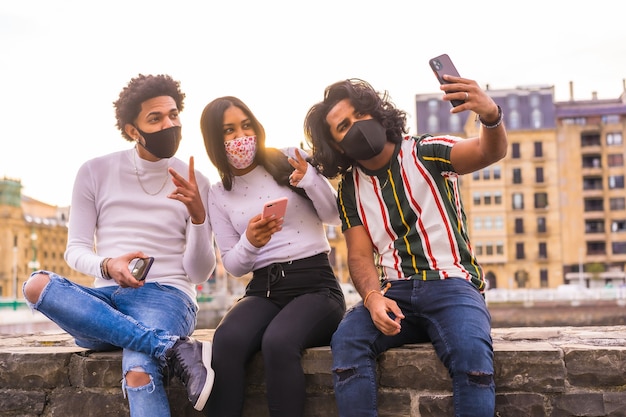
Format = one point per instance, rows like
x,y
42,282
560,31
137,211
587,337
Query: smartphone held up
x,y
443,65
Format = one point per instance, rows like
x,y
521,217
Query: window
x,y
476,199
497,172
541,200
489,248
519,226
500,248
594,226
536,118
488,223
478,223
515,150
594,204
591,161
433,123
498,223
517,175
538,149
618,226
487,199
455,122
592,183
514,119
614,139
518,201
611,119
596,248
617,203
539,175
589,139
615,160
479,248
541,225
486,174
543,250
618,247
616,182
519,250
476,175
497,197
543,278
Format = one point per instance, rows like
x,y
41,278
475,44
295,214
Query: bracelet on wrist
x,y
104,268
368,295
495,124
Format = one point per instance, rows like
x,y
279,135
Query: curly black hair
x,y
365,100
212,126
140,89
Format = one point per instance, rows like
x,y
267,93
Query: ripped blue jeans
x,y
451,314
145,322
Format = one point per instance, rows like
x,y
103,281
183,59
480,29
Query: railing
x,y
572,293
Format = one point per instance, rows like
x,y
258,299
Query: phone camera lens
x,y
437,64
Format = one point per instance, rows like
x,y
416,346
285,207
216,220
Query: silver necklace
x,y
167,177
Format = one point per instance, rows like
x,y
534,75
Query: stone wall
x,y
545,371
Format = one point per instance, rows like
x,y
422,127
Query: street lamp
x,y
33,265
15,267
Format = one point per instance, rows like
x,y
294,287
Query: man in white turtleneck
x,y
138,203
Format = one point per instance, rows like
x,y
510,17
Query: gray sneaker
x,y
190,361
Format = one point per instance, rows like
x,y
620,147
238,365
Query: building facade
x,y
33,235
552,211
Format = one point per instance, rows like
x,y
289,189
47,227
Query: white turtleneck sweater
x,y
111,215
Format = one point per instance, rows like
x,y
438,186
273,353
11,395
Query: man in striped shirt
x,y
405,227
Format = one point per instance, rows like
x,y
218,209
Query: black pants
x,y
303,310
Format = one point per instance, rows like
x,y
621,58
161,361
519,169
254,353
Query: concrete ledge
x,y
545,371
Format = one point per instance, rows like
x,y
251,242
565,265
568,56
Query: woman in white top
x,y
294,300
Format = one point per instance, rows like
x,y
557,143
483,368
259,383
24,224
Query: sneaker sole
x,y
210,377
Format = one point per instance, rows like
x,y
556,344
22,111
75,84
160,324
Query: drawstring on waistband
x,y
274,273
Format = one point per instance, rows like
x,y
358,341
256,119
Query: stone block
x,y
521,405
21,402
413,366
44,370
70,402
600,367
578,404
96,369
536,367
435,406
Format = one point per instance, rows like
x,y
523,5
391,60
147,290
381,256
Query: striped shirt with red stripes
x,y
413,212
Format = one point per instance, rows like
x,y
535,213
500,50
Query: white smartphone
x,y
275,207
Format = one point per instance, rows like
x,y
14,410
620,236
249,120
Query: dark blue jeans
x,y
451,314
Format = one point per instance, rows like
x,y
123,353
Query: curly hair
x,y
142,88
365,100
212,126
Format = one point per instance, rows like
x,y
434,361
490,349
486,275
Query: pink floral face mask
x,y
241,151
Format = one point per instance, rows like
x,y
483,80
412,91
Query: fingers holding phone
x,y
442,65
262,226
140,267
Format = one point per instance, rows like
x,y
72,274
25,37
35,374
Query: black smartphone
x,y
443,65
139,267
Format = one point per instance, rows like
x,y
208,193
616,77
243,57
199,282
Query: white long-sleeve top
x,y
112,215
302,235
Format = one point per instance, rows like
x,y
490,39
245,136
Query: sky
x,y
64,62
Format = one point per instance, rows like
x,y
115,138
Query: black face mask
x,y
162,144
364,140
